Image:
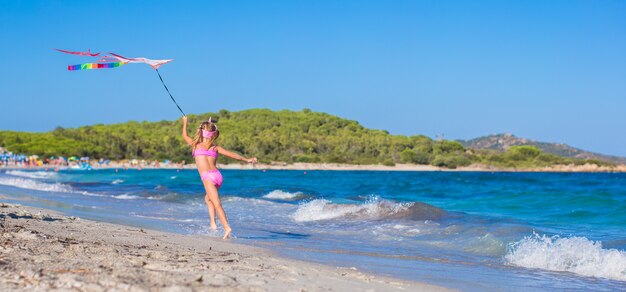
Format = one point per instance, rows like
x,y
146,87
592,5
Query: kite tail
x,y
168,92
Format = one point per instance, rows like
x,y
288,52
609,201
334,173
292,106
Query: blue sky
x,y
547,70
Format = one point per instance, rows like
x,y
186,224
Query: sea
x,y
473,231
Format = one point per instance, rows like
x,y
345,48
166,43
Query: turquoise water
x,y
478,231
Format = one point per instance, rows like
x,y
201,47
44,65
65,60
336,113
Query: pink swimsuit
x,y
213,175
205,152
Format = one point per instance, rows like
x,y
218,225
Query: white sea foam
x,y
126,197
117,181
89,194
321,209
578,255
282,195
34,185
32,174
30,184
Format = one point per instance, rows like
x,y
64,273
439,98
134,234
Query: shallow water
x,y
474,231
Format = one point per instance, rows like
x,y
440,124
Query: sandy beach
x,y
43,250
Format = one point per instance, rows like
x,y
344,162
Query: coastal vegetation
x,y
501,142
274,136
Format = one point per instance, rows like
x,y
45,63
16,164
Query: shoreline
x,y
351,167
414,167
44,249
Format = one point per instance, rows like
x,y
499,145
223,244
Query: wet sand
x,y
42,250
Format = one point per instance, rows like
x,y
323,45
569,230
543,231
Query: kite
x,y
88,66
88,53
114,61
153,63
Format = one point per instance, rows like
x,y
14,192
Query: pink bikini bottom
x,y
213,176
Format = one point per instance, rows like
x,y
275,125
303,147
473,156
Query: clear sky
x,y
547,70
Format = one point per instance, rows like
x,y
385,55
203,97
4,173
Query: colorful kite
x,y
88,66
153,63
115,61
88,53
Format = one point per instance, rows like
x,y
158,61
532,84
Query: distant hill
x,y
281,136
501,142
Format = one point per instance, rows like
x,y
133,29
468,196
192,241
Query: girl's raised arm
x,y
236,156
185,136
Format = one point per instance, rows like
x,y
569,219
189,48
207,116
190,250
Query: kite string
x,y
168,92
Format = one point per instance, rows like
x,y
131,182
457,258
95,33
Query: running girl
x,y
205,153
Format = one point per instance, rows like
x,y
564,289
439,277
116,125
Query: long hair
x,y
198,138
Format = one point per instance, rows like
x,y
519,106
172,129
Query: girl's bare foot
x,y
227,233
213,226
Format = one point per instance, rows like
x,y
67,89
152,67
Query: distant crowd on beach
x,y
10,159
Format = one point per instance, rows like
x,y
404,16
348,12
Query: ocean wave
x,y
126,197
282,195
30,184
32,174
245,201
577,255
375,208
35,185
117,181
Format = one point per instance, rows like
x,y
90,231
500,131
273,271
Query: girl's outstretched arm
x,y
236,156
185,136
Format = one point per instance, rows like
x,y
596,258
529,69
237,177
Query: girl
x,y
205,153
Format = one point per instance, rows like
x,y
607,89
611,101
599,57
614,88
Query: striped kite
x,y
114,61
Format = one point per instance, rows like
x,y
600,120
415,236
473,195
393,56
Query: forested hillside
x,y
501,142
286,136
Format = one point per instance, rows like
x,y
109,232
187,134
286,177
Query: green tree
x,y
287,136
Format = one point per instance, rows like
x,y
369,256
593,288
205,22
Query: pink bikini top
x,y
205,152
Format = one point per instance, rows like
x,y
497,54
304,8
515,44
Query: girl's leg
x,y
211,208
217,203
